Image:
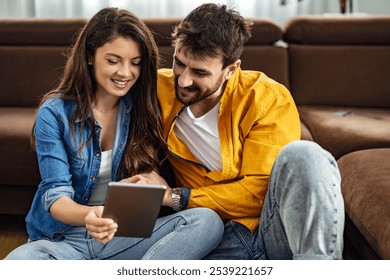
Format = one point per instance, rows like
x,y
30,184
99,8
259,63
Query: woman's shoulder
x,y
58,104
58,100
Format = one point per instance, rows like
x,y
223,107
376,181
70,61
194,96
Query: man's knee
x,y
305,154
307,165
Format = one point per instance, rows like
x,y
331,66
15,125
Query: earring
x,y
90,61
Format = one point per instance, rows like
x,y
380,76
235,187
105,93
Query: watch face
x,y
176,191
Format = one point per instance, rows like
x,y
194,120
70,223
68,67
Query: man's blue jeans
x,y
302,215
189,234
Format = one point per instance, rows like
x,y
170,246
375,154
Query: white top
x,y
99,194
201,136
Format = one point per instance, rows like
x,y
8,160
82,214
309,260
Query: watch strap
x,y
176,199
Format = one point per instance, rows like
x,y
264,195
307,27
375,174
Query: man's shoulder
x,y
165,73
252,77
259,90
165,85
249,82
165,80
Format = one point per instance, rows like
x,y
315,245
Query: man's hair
x,y
213,30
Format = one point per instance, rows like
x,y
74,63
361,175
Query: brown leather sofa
x,y
337,69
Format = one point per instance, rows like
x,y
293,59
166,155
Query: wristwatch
x,y
176,195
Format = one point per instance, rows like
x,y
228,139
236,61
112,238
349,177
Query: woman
x,y
103,124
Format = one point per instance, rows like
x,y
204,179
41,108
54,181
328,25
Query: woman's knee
x,y
209,220
25,252
34,250
17,254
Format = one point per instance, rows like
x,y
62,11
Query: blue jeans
x,y
302,215
189,234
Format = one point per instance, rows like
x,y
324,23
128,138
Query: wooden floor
x,y
12,233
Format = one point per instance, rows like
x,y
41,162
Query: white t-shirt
x,y
201,136
99,194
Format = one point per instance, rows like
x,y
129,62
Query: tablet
x,y
134,207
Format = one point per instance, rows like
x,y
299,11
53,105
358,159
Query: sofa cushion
x,y
30,71
342,130
315,29
305,133
365,186
33,51
162,29
339,61
272,60
39,32
340,75
19,164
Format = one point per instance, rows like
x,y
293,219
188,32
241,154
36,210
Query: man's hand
x,y
146,178
102,229
152,178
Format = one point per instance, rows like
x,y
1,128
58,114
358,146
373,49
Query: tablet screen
x,y
134,207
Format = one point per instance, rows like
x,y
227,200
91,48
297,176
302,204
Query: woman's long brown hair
x,y
78,84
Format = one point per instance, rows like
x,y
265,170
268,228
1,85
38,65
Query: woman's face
x,y
117,66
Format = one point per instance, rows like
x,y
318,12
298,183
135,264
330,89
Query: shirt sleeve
x,y
52,157
52,195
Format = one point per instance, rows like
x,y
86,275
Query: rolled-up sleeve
x,y
52,195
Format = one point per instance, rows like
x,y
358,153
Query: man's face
x,y
197,80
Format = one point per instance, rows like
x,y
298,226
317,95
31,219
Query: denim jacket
x,y
64,170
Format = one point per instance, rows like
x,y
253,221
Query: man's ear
x,y
232,68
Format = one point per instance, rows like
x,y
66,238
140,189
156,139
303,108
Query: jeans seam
x,y
165,239
334,236
270,214
254,255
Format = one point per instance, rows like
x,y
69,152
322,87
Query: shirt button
x,y
97,131
97,155
86,199
93,178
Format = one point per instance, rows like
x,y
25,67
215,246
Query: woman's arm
x,y
57,177
67,211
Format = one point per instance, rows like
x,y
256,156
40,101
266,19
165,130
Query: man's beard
x,y
195,92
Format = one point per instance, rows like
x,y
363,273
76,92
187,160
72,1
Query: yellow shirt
x,y
257,117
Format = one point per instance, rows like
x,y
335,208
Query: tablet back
x,y
134,207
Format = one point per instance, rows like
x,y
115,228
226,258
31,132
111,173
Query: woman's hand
x,y
152,178
102,229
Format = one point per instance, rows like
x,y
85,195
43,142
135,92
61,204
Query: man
x,y
226,129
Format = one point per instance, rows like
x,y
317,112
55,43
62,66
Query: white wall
x,y
373,6
156,8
